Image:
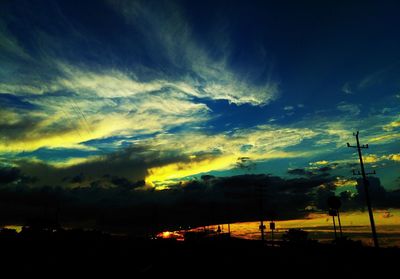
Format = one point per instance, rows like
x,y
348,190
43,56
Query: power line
x,y
366,184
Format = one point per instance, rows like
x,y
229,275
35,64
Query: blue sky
x,y
167,91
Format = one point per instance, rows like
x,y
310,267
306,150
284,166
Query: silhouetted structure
x,y
262,227
334,204
272,228
365,182
96,253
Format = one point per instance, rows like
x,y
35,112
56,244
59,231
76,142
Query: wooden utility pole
x,y
366,184
334,225
340,224
262,227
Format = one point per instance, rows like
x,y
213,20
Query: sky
x,y
119,107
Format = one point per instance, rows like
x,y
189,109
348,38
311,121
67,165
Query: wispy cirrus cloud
x,y
351,109
167,30
75,103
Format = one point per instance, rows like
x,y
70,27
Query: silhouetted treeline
x,y
46,252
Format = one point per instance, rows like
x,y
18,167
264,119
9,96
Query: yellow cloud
x,y
385,138
266,143
74,161
341,182
369,159
8,117
67,130
374,158
391,125
393,157
43,136
179,170
320,163
164,174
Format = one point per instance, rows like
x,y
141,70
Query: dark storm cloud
x,y
127,167
113,202
9,175
282,198
14,176
299,171
323,171
380,197
125,164
125,183
77,178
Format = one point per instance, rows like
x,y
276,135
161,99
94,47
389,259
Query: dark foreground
x,y
94,254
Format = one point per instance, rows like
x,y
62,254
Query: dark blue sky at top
x,y
312,47
327,42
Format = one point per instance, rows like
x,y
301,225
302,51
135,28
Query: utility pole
x,y
334,225
262,226
272,227
366,184
340,224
